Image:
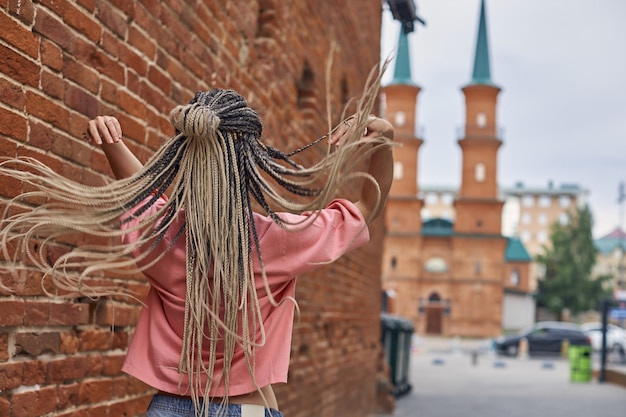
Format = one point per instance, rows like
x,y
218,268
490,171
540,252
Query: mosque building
x,y
457,275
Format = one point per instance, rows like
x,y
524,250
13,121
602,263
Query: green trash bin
x,y
579,363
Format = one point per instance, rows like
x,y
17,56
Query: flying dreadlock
x,y
211,167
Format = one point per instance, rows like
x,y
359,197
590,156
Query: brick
x,y
113,19
12,312
52,85
41,136
34,373
67,395
143,43
51,55
19,68
4,347
116,315
90,5
69,343
82,74
109,92
130,407
160,80
82,101
94,366
35,344
34,403
99,61
56,7
66,370
132,105
112,365
134,60
82,22
11,375
95,339
23,10
18,36
46,110
37,314
11,94
69,314
13,125
50,27
95,391
5,407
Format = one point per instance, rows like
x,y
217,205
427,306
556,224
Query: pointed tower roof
x,y
402,69
482,72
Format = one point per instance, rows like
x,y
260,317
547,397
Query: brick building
x,y
64,62
460,277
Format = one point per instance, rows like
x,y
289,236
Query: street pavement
x,y
448,381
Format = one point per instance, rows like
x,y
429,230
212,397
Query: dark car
x,y
543,338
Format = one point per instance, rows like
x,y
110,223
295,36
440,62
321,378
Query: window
x,y
515,277
525,236
432,199
565,201
542,237
477,268
400,118
436,265
545,201
528,200
526,218
447,198
398,170
479,172
563,219
481,120
394,262
543,219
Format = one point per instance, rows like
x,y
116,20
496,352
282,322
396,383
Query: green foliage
x,y
567,282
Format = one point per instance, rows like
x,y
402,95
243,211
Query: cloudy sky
x,y
561,65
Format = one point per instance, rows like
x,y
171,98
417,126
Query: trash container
x,y
397,333
579,363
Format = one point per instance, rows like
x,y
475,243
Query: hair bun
x,y
194,119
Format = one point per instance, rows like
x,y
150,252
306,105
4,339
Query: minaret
x,y
399,101
478,209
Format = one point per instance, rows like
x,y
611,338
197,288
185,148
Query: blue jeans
x,y
167,406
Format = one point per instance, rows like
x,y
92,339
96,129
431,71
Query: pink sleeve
x,y
336,229
131,219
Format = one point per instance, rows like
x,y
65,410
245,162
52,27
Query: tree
x,y
567,283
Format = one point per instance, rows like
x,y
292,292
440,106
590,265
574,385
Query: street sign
x,y
617,313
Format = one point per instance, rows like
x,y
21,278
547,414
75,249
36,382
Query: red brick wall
x,y
64,62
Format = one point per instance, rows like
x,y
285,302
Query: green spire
x,y
402,70
482,73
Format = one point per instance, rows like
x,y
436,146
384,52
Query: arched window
x,y
479,172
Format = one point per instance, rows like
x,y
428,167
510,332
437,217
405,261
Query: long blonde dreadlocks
x,y
213,167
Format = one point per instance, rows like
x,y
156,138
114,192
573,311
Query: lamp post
x,y
621,197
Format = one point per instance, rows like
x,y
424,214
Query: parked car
x,y
615,337
545,337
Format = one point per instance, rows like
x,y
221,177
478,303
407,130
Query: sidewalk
x,y
448,381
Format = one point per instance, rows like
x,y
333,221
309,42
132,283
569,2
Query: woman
x,y
215,331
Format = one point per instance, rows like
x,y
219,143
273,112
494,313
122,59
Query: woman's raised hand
x,y
103,129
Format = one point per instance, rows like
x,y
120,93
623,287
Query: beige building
x,y
610,259
527,214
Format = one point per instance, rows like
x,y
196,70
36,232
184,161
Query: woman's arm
x,y
370,202
381,168
107,132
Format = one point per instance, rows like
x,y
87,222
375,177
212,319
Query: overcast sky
x,y
561,65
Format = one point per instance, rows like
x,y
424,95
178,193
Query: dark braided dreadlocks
x,y
213,167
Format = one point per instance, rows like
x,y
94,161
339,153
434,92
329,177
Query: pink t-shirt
x,y
155,348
